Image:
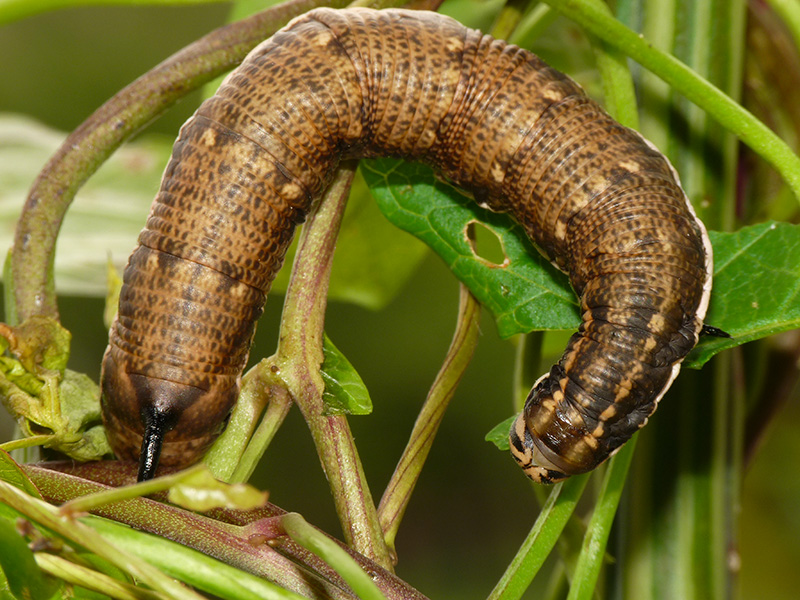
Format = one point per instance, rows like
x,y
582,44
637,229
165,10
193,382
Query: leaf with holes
x,y
524,292
756,279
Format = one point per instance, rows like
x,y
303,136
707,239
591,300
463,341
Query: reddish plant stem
x,y
232,536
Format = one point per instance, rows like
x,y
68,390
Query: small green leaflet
x,y
45,397
498,434
345,392
10,472
199,491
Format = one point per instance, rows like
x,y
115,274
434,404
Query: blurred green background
x,y
472,506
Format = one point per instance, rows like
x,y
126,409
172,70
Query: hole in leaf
x,y
486,245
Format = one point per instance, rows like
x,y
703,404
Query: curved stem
x,y
298,361
81,535
92,143
15,10
398,491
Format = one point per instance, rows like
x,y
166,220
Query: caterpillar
x,y
596,199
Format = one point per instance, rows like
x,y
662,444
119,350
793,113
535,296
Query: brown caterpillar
x,y
596,198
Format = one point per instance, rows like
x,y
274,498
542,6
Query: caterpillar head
x,y
154,420
526,450
541,421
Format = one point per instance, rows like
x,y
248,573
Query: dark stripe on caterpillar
x,y
596,198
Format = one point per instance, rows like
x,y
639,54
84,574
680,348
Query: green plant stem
x,y
508,19
593,553
93,580
532,25
540,541
312,539
92,143
298,361
14,10
236,453
398,492
195,568
595,17
114,495
226,543
82,535
279,404
619,93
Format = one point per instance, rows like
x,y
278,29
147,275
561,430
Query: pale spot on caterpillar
x,y
209,138
324,39
291,191
622,393
591,441
498,173
631,166
656,323
611,410
561,230
453,45
239,291
551,94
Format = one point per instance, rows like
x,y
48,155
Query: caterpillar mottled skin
x,y
597,199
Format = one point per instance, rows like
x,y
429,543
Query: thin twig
x,y
398,492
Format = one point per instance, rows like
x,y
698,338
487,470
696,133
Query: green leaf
x,y
541,539
25,578
114,287
345,392
107,214
43,396
756,286
498,435
80,408
201,492
40,344
756,281
524,293
11,473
